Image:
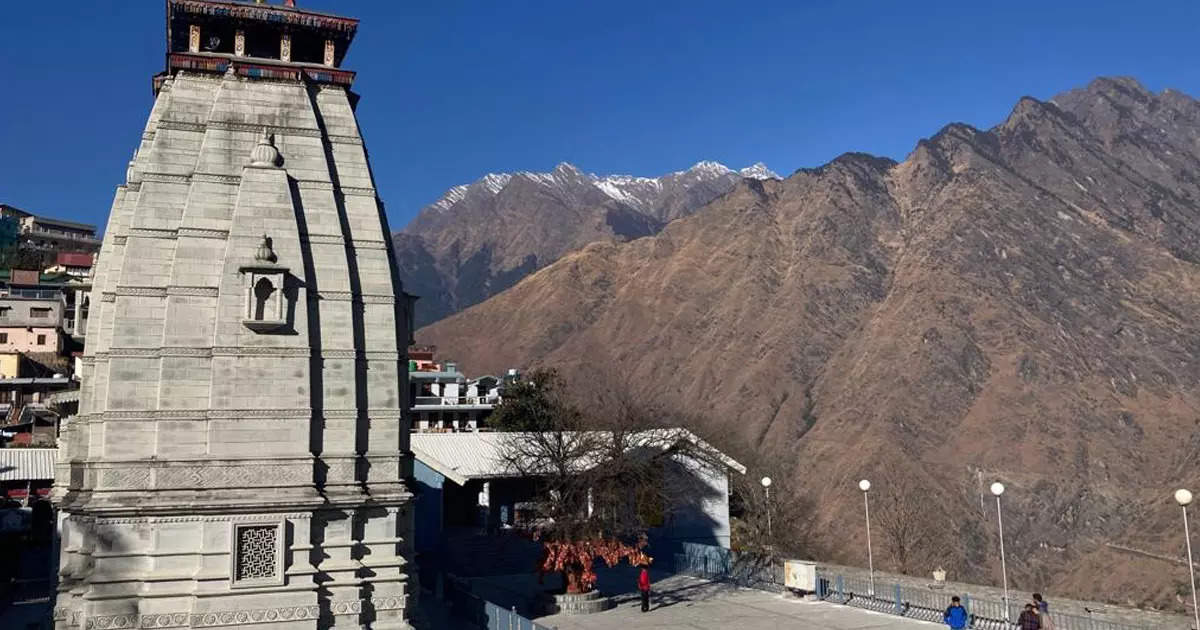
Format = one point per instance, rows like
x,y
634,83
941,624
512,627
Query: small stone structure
x,y
575,603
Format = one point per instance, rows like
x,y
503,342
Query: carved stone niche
x,y
266,300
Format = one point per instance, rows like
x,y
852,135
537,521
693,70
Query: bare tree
x,y
901,514
607,472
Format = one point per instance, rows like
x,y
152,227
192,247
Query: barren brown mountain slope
x,y
1016,304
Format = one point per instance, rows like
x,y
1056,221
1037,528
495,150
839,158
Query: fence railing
x,y
719,564
920,603
482,613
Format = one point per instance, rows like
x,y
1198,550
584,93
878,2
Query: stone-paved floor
x,y
686,603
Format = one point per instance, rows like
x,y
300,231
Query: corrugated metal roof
x,y
461,456
21,464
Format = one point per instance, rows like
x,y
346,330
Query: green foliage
x,y
17,257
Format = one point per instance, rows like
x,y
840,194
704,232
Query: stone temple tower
x,y
241,449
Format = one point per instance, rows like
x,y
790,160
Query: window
x,y
39,313
4,310
41,340
257,557
3,337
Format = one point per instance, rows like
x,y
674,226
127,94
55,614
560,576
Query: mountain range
x,y
484,237
1017,304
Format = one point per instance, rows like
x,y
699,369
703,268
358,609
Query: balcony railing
x,y
450,401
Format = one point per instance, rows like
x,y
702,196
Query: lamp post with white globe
x,y
998,489
1184,498
766,484
865,485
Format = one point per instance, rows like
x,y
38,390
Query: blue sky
x,y
455,89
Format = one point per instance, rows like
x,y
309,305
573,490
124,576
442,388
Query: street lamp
x,y
998,489
766,484
1184,498
865,485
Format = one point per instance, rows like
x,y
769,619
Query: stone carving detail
x,y
151,233
226,125
312,184
256,552
340,354
204,232
285,47
125,478
166,178
180,125
345,139
141,291
329,52
229,476
109,296
173,620
196,291
194,38
260,352
363,192
216,179
243,617
239,43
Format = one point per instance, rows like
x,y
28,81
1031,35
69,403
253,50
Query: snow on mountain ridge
x,y
635,191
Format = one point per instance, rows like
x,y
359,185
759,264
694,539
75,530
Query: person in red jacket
x,y
644,587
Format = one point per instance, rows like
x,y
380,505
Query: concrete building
x,y
47,234
466,488
240,455
444,399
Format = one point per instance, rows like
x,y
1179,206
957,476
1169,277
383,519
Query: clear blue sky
x,y
454,89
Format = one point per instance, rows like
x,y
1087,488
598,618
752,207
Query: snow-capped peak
x,y
641,193
758,171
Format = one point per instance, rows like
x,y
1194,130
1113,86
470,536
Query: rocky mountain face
x,y
482,238
1017,304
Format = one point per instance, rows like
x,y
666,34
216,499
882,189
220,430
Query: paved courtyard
x,y
687,603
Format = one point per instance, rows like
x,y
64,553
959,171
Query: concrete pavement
x,y
687,603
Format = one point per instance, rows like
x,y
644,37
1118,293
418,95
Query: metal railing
x,y
482,613
926,605
447,401
724,565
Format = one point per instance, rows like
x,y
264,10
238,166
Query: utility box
x,y
800,575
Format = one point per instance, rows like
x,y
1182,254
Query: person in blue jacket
x,y
956,615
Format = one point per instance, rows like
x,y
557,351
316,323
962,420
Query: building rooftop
x,y
20,464
463,456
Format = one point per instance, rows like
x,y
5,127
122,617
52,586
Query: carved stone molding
x,y
193,291
312,184
335,239
226,125
198,414
119,239
340,139
359,192
368,298
181,125
108,296
203,233
337,353
150,233
340,413
261,615
167,178
141,291
200,518
340,296
260,352
216,178
173,620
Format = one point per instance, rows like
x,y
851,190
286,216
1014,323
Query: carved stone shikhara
x,y
242,298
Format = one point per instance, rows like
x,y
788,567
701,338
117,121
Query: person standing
x,y
644,587
1043,610
956,615
1029,619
